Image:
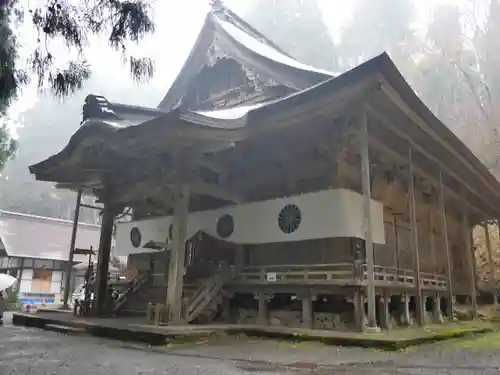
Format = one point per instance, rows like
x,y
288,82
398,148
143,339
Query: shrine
x,y
265,191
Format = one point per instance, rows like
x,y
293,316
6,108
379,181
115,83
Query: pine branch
x,y
119,21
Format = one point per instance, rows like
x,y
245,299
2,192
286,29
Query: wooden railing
x,y
334,273
208,293
296,273
133,286
392,275
435,280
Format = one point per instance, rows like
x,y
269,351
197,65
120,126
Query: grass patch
x,y
446,329
485,343
396,339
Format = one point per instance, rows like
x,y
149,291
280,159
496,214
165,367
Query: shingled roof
x,y
30,236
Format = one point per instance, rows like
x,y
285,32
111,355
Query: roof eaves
x,y
322,90
192,65
51,220
383,65
394,77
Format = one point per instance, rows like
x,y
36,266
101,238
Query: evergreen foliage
x,y
73,22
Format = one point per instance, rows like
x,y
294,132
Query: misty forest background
x,y
452,64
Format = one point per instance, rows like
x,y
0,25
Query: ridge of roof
x,y
245,43
246,27
24,216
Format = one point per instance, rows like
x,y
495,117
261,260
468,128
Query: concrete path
x,y
36,352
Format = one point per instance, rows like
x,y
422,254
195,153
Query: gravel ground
x,y
33,352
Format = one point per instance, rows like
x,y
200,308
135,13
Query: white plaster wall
x,y
55,286
325,214
26,277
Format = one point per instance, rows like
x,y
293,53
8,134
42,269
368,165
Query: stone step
x,y
139,312
63,329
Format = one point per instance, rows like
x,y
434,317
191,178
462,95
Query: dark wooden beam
x,y
164,185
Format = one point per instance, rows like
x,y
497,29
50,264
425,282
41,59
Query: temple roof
x,y
114,131
228,34
225,34
119,125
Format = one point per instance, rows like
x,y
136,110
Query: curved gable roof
x,y
239,40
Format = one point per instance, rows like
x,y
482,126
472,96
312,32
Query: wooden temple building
x,y
265,191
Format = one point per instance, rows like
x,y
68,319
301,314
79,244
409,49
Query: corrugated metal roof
x,y
39,237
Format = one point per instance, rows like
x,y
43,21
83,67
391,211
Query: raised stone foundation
x,y
293,318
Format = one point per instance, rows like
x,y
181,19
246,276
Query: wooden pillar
x,y
470,260
474,265
415,246
239,258
262,317
359,310
108,220
383,308
436,309
20,276
406,309
367,221
444,229
307,311
432,241
493,278
176,266
69,267
226,309
396,242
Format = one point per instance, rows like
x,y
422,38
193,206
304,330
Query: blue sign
x,y
37,298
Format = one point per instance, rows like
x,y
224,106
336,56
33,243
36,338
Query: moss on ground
x,y
484,343
389,340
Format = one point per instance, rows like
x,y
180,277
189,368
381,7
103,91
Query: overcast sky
x,y
177,26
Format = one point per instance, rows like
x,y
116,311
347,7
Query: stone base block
x,y
328,321
285,318
247,316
